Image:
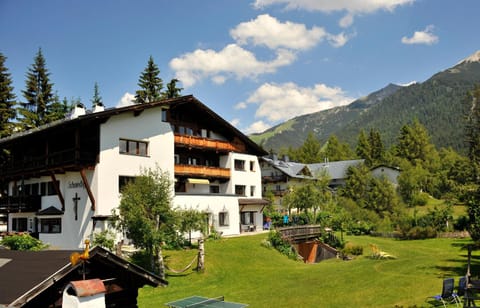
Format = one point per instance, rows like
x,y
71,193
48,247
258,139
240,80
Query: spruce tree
x,y
172,90
96,99
150,84
7,100
38,93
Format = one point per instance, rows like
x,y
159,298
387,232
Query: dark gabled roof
x,y
51,210
100,117
30,275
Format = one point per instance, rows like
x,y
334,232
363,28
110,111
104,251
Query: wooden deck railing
x,y
200,142
202,171
301,232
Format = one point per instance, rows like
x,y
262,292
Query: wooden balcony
x,y
202,171
17,204
204,143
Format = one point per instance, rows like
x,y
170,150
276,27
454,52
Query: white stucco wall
x,y
213,204
246,177
147,126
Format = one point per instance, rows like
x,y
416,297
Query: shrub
x,y
104,239
352,249
281,245
419,233
22,242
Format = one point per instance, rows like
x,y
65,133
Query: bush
x,y
281,245
419,199
420,233
104,239
352,249
22,242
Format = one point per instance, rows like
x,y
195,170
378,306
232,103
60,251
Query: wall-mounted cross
x,y
75,205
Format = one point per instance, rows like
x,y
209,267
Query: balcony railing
x,y
59,159
274,178
17,204
202,171
200,142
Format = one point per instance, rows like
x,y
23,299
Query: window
x,y
223,218
19,224
252,191
240,190
50,225
133,147
239,164
247,218
214,189
252,165
164,115
177,159
123,181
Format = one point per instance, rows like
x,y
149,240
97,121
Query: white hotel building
x,y
63,180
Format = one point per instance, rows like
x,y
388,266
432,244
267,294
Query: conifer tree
x,y
96,99
172,90
38,93
150,84
7,100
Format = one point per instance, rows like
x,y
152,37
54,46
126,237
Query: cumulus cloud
x,y
425,37
126,100
235,122
257,127
280,102
352,7
268,31
231,61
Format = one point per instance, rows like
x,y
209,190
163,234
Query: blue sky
x,y
255,62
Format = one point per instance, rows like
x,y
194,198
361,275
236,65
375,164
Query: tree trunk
x,y
161,264
201,256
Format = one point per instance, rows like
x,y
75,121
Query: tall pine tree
x,y
150,84
172,90
7,100
96,99
38,93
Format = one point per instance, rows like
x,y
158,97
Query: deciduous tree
x,y
146,215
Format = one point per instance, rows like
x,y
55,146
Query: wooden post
x,y
201,256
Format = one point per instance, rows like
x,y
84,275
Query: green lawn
x,y
244,271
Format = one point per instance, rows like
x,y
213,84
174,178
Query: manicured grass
x,y
244,271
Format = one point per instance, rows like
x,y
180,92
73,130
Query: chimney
x,y
78,110
98,107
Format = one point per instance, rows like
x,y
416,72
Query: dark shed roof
x,y
37,278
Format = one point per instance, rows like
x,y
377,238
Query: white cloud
x,y
241,105
280,102
257,127
422,37
235,122
346,20
340,39
352,7
126,100
356,6
268,31
231,61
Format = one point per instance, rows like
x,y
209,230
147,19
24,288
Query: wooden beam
x,y
87,186
57,191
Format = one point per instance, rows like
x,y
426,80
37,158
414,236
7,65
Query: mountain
x,y
439,103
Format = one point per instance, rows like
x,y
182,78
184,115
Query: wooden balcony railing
x,y
202,171
200,142
17,204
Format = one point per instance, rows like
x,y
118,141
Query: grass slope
x,y
244,271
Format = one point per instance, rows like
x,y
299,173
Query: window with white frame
x,y
50,225
240,190
239,165
133,147
223,219
247,218
19,224
252,191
